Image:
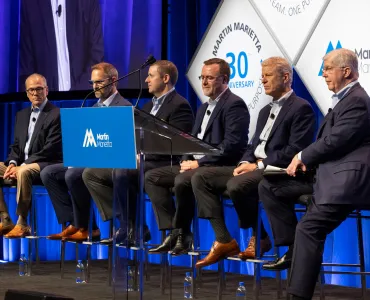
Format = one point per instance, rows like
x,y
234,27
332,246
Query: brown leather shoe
x,y
82,234
19,231
218,252
5,229
66,232
250,252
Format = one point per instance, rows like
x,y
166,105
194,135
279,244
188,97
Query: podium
x,y
111,137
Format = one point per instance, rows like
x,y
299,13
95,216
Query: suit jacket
x,y
227,129
293,130
46,142
37,43
342,152
176,111
118,100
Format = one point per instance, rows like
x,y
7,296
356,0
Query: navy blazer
x,y
37,42
342,152
118,100
46,142
227,129
293,130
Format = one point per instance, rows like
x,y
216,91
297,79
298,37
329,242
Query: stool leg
x,y
257,266
221,283
110,253
361,254
322,283
62,254
279,290
163,267
88,248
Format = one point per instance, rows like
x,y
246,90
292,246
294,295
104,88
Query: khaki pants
x,y
25,176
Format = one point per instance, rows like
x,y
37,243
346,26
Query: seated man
x,y
68,193
170,107
284,126
37,143
341,154
223,122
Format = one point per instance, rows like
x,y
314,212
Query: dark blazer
x,y
293,130
118,100
342,152
37,43
176,111
227,129
46,142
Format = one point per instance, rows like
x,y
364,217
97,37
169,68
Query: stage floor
x,y
46,279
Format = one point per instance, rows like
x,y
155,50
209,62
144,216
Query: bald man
x,y
37,143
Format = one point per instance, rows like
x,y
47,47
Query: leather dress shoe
x,y
19,231
82,234
132,236
281,263
250,252
66,232
121,237
4,229
218,252
168,244
183,244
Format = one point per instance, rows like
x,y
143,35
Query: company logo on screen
x,y
329,49
363,56
290,8
101,140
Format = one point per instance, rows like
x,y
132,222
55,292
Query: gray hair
x,y
282,66
344,58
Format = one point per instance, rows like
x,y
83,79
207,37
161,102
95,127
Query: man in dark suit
x,y
341,154
284,127
223,122
67,191
166,105
37,143
60,40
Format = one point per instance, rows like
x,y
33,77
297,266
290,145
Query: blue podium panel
x,y
99,137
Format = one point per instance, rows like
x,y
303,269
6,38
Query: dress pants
x,y
279,193
26,174
158,185
68,193
312,230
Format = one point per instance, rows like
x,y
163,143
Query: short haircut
x,y
282,66
344,58
167,67
107,68
223,64
36,75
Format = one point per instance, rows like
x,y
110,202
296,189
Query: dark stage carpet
x,y
46,278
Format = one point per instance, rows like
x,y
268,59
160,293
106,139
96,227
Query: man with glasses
x,y
223,122
37,143
67,191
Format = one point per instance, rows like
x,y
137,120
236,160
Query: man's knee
x,y
120,174
233,187
73,176
198,180
182,181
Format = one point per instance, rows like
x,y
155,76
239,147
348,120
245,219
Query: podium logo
x,y
101,140
330,48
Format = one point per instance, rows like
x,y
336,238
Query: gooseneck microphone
x,y
150,60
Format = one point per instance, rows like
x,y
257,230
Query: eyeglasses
x,y
209,78
35,90
329,69
98,82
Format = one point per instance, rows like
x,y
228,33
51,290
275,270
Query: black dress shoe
x,y
281,263
183,244
132,235
121,237
168,244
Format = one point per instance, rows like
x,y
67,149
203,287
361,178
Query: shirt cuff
x,y
260,165
13,162
243,162
299,155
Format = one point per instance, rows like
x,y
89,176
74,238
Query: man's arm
x,y
182,117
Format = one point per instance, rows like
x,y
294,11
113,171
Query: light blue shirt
x,y
157,102
60,28
108,101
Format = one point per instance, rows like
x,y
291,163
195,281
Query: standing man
x,y
68,193
166,105
223,122
37,143
284,126
341,153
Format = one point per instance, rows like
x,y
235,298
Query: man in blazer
x,y
166,105
67,191
284,126
37,143
65,57
342,156
223,122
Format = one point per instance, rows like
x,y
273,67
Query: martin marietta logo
x,y
101,140
330,48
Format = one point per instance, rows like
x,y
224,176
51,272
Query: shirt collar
x,y
282,99
107,101
214,102
40,108
160,99
340,95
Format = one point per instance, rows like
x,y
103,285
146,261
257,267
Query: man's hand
x,y
10,172
188,165
294,165
244,168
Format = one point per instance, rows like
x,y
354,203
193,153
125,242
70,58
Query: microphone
x,y
150,60
59,11
272,116
208,112
33,119
329,110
